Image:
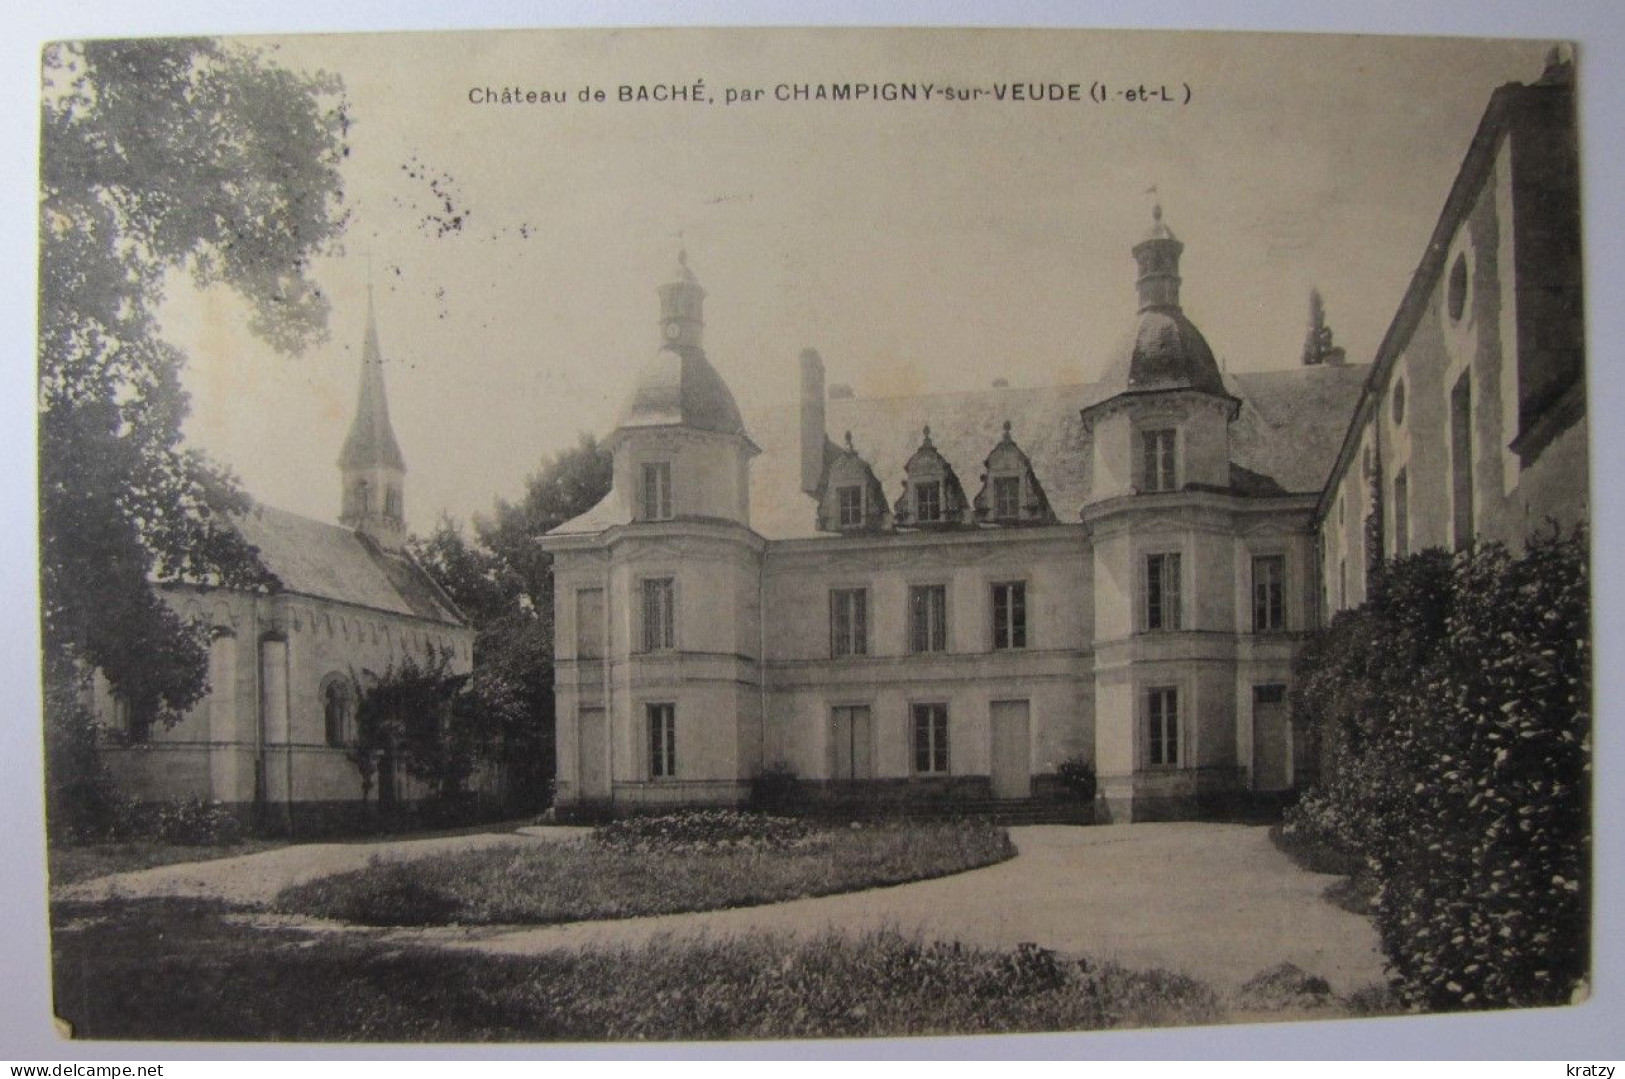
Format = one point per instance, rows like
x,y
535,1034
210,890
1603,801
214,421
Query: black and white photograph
x,y
702,535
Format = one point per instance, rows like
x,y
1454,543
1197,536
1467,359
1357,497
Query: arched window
x,y
338,710
363,499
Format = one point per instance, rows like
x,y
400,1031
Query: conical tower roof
x,y
371,441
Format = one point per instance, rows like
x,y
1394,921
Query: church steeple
x,y
371,466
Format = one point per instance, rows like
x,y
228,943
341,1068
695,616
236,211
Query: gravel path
x,y
1216,901
255,879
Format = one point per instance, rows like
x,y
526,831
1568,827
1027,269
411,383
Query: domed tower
x,y
679,575
371,467
681,451
1160,519
1162,419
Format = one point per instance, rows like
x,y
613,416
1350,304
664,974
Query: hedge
x,y
1453,715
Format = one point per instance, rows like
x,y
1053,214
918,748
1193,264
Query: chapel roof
x,y
328,561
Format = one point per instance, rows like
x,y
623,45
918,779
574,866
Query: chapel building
x,y
273,738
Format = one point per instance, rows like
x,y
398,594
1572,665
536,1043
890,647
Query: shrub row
x,y
1453,714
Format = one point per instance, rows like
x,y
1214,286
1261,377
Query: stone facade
x,y
958,594
1473,426
948,596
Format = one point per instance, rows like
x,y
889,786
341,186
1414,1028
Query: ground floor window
x,y
338,711
662,741
1162,726
931,738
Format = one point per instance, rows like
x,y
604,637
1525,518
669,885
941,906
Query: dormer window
x,y
1007,498
1011,493
931,495
928,501
657,491
1158,460
850,501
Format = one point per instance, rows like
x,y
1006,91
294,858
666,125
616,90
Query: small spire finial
x,y
928,434
1006,428
849,446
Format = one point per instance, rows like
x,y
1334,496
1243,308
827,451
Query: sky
x,y
923,246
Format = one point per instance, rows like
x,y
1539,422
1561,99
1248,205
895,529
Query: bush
x,y
1078,777
774,788
702,829
1454,710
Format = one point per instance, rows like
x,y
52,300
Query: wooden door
x,y
1011,750
1272,740
851,743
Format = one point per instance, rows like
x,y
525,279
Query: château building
x,y
946,596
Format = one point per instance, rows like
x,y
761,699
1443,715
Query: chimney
x,y
813,436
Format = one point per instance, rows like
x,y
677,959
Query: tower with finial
x,y
682,307
371,467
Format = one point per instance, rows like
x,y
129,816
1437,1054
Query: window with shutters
x,y
657,491
931,739
658,614
1269,593
662,740
928,618
848,622
1162,726
1157,461
1160,589
1009,615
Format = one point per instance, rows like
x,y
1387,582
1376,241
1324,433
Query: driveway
x,y
255,879
1216,901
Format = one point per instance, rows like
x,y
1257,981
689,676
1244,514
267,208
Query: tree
x,y
503,583
409,715
159,155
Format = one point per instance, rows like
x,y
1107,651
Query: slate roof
x,y
679,386
314,558
1165,352
1284,440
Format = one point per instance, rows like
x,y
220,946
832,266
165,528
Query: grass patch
x,y
1355,893
615,877
181,969
71,864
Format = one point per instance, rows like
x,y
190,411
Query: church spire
x,y
371,465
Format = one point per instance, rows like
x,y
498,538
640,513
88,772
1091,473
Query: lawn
x,y
185,969
665,865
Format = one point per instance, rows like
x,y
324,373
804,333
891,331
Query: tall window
x,y
928,501
658,614
931,738
662,741
928,618
338,712
1007,497
657,491
1402,514
1010,615
1162,726
1157,453
1269,576
1162,591
849,622
1461,459
851,506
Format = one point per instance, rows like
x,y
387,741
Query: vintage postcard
x,y
595,536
